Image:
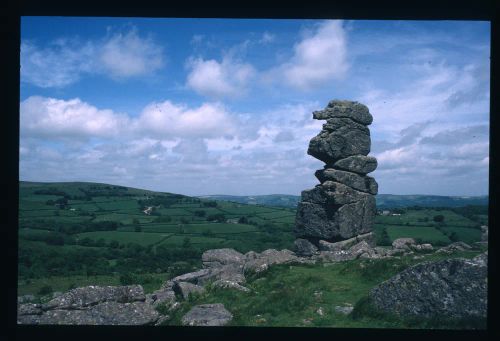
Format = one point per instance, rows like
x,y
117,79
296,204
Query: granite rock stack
x,y
343,205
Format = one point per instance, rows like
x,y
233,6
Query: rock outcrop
x,y
342,206
451,289
207,315
92,305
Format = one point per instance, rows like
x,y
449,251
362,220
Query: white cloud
x,y
219,79
58,65
64,61
127,55
50,117
72,119
168,120
267,38
318,58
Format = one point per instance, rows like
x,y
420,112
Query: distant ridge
x,y
286,200
383,200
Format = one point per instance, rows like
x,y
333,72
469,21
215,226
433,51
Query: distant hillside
x,y
383,200
391,200
278,200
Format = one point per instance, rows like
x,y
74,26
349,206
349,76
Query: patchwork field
x,y
88,229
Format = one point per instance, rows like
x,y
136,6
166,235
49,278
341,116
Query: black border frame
x,y
486,10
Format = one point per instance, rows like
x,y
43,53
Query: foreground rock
x,y
93,305
256,262
207,315
451,289
88,296
342,206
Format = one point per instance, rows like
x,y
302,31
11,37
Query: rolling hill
x,y
383,200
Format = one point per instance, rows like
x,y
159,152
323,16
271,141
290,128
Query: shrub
x,y
127,279
45,290
438,218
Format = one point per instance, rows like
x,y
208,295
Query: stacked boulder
x,y
343,205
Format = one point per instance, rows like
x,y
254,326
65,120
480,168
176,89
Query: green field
x,y
141,238
83,230
424,233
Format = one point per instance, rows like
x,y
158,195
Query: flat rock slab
x,y
107,313
185,289
452,289
207,315
403,243
218,257
303,247
360,164
92,295
269,257
358,182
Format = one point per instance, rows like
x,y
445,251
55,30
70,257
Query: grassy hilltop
x,y
77,233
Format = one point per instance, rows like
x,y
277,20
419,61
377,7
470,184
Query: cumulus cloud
x,y
169,120
56,118
442,160
318,58
219,79
127,55
267,38
59,64
50,117
65,61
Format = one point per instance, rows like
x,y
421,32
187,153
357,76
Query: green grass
x,y
464,234
178,240
416,217
151,282
287,295
141,238
199,228
426,234
276,214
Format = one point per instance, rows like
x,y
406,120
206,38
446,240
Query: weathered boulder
x,y
360,164
344,310
361,249
184,289
338,108
92,295
93,305
358,182
451,288
25,299
162,296
207,315
484,233
106,313
29,309
219,257
303,247
334,256
229,272
456,246
426,247
225,284
403,243
346,244
191,277
333,222
340,138
267,258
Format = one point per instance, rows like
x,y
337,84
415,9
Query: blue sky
x,y
219,106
